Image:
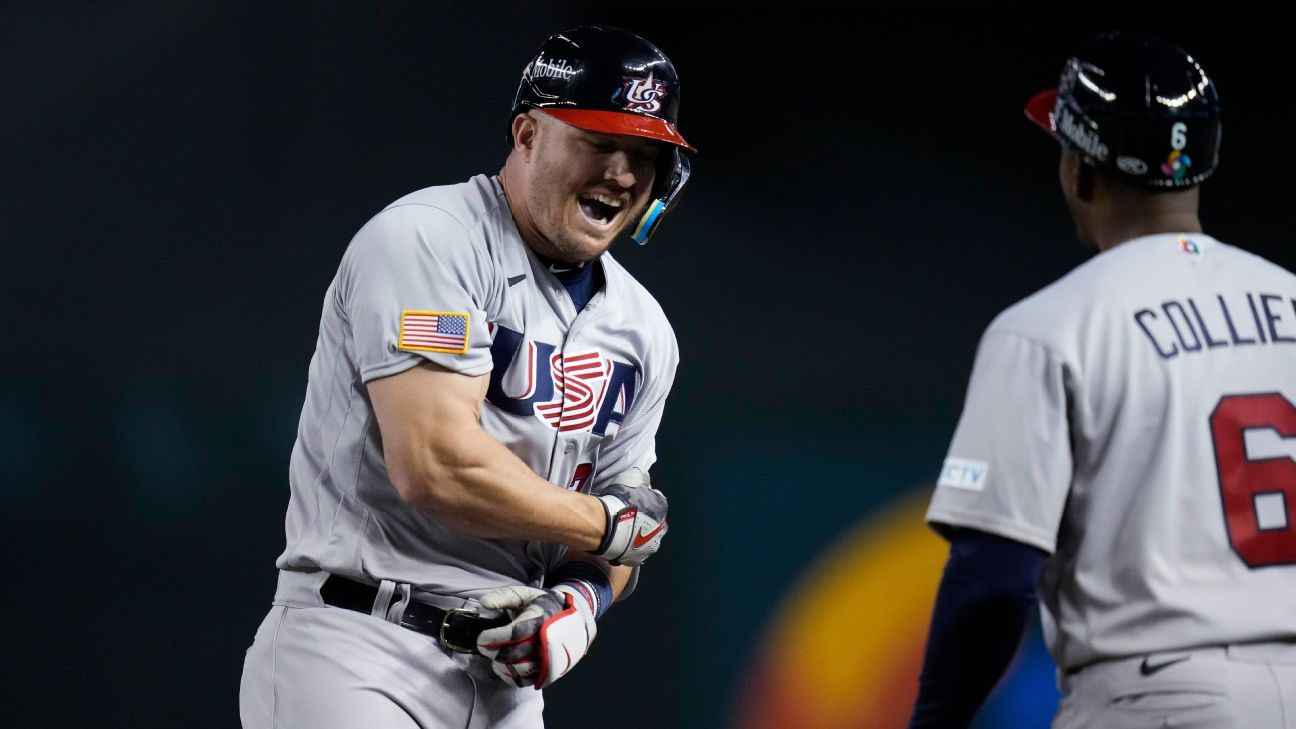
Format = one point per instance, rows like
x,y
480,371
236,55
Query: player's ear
x,y
1086,181
1076,177
525,129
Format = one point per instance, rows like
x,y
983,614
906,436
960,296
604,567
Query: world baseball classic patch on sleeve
x,y
434,331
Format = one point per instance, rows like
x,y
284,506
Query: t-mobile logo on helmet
x,y
642,94
1085,139
553,69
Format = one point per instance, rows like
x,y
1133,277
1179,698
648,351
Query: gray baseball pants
x,y
1245,686
312,666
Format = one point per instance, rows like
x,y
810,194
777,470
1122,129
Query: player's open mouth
x,y
600,208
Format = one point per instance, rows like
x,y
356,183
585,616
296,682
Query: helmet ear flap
x,y
673,170
679,175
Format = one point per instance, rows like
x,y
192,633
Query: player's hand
x,y
551,631
636,519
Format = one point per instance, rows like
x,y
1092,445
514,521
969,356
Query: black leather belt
x,y
456,629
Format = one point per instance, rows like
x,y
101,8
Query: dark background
x,y
178,182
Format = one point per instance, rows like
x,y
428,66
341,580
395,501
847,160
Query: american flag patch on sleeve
x,y
434,331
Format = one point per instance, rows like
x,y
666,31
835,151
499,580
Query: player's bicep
x,y
423,413
1009,467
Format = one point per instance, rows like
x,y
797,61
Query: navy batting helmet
x,y
612,81
1137,107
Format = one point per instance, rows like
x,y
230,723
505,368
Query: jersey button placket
x,y
562,446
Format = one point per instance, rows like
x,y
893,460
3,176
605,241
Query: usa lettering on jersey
x,y
583,391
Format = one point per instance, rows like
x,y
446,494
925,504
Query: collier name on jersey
x,y
1190,325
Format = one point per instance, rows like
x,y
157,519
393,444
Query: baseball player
x,y
1125,450
468,485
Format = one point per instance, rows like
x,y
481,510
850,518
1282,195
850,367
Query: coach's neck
x,y
1108,212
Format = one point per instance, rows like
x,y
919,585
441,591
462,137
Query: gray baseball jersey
x,y
1136,420
442,275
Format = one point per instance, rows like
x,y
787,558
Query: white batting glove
x,y
636,519
551,631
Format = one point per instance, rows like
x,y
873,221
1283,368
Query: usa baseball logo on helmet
x,y
642,94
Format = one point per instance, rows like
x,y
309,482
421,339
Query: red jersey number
x,y
1259,494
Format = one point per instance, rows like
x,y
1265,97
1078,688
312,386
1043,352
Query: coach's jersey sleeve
x,y
414,287
1009,466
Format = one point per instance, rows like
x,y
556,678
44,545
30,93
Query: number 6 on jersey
x,y
1259,494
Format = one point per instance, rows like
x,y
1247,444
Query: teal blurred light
x,y
159,447
26,445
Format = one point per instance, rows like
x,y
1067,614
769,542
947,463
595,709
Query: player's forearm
x,y
475,485
619,576
981,611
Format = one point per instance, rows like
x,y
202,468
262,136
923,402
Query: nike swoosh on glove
x,y
550,632
636,519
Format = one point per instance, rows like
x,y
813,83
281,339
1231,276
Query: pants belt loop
x,y
396,612
383,599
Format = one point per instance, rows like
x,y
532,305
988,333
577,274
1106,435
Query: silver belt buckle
x,y
445,622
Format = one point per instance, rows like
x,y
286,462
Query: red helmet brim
x,y
613,122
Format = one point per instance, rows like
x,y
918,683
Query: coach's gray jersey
x,y
1136,420
443,275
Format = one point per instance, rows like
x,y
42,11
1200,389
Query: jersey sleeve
x,y
1008,471
414,288
635,443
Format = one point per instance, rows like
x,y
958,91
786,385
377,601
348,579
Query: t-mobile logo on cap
x,y
643,94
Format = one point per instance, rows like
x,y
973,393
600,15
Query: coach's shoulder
x,y
1046,313
1055,313
1067,312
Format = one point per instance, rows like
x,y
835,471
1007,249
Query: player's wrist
x,y
591,523
589,585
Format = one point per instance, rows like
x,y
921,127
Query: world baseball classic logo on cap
x,y
641,94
